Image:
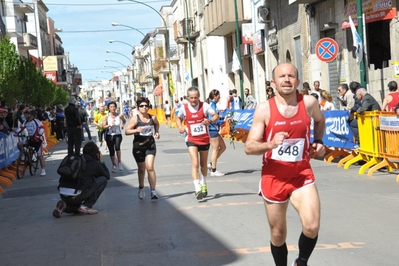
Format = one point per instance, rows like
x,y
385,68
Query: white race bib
x,y
146,130
198,129
290,151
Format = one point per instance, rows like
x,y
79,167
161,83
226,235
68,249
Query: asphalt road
x,y
229,227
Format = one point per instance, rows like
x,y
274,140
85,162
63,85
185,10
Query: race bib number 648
x,y
290,151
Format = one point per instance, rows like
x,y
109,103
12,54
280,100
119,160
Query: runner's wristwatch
x,y
318,141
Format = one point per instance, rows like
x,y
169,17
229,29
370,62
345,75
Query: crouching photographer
x,y
79,195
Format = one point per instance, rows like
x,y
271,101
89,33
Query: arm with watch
x,y
318,129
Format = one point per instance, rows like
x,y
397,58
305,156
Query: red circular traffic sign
x,y
327,49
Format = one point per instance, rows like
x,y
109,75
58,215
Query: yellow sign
x,y
171,85
50,63
396,69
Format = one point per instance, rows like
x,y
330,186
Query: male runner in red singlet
x,y
281,132
195,117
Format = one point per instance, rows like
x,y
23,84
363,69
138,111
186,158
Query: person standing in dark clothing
x,y
74,127
59,122
19,117
84,117
39,112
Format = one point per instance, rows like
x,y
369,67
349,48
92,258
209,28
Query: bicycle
x,y
27,158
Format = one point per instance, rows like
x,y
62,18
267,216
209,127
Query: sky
x,y
86,31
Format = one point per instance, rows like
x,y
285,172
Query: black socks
x,y
306,246
279,254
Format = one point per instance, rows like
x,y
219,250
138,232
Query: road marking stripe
x,y
248,251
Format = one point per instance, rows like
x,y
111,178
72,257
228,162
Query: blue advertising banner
x,y
337,133
8,149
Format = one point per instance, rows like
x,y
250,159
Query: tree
x,y
22,82
9,63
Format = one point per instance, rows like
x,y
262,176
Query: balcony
x,y
161,66
219,16
181,31
143,78
28,41
59,50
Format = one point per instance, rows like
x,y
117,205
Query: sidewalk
x,y
228,228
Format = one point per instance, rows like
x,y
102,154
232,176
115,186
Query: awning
x,y
158,90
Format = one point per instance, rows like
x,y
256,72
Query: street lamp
x,y
112,67
238,40
109,60
109,51
112,41
149,45
189,43
166,37
97,77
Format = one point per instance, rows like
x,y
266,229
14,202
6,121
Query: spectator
x,y
60,122
317,90
345,97
19,117
250,102
306,86
81,196
84,118
35,130
392,99
236,102
270,93
74,127
304,91
4,127
229,99
329,105
368,103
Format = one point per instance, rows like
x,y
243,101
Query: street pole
x,y
189,44
120,92
238,40
360,30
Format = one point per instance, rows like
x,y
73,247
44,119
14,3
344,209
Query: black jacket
x,y
72,116
93,170
83,114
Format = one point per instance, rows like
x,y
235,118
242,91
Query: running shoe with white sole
x,y
154,195
141,193
217,173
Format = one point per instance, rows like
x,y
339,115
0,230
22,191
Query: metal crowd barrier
x,y
379,139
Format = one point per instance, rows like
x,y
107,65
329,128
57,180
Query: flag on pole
x,y
357,42
235,66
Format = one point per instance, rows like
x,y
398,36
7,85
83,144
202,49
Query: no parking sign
x,y
327,49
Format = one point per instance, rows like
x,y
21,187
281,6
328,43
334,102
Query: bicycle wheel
x,y
33,163
22,163
33,168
